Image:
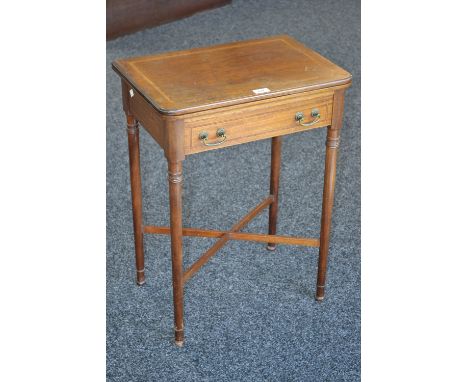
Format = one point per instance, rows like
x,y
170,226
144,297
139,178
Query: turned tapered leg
x,y
175,199
333,139
274,187
135,183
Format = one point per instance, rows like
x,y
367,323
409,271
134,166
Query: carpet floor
x,y
250,314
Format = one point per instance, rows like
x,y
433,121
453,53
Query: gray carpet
x,y
250,314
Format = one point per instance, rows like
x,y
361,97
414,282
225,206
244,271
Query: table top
x,y
229,74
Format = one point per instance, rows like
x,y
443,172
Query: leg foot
x,y
141,277
320,293
271,247
179,337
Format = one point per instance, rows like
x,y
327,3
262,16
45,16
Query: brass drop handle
x,y
220,133
299,117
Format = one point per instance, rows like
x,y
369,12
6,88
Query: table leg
x,y
175,199
274,187
333,139
135,183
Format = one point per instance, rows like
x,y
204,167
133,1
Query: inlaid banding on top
x,y
183,82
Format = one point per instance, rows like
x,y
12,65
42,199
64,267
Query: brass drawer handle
x,y
220,133
300,118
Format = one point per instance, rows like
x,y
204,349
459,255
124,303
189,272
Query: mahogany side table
x,y
209,98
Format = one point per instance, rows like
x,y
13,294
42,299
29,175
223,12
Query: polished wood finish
x,y
135,182
128,16
177,96
175,200
332,143
274,188
225,238
229,74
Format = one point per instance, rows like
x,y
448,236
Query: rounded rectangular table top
x,y
211,77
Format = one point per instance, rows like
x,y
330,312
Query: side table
x,y
209,98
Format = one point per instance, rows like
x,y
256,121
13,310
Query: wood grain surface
x,y
206,78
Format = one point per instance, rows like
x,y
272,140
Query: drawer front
x,y
258,120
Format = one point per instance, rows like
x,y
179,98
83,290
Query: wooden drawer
x,y
256,120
